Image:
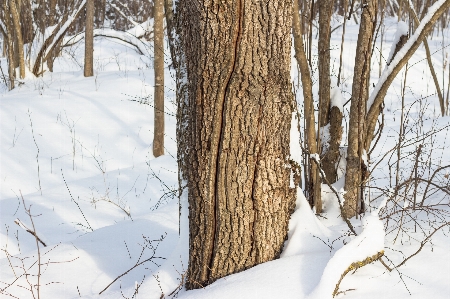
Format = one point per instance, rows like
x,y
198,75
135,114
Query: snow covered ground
x,y
79,152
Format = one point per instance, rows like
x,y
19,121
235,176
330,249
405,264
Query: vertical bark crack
x,y
218,147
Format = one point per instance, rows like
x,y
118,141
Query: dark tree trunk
x,y
234,132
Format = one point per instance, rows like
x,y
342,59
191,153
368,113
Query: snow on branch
x,y
28,230
49,41
64,27
403,55
110,33
2,28
123,14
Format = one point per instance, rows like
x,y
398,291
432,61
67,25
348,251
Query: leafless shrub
x,y
418,200
28,270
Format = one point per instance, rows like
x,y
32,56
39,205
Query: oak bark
x,y
234,132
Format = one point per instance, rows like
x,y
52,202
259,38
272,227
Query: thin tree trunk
x,y
89,40
361,77
10,46
430,65
168,11
18,33
239,108
313,189
325,12
158,137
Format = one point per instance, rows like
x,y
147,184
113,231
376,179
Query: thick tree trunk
x,y
361,77
89,40
158,137
239,115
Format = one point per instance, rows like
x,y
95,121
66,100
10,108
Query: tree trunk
x,y
361,77
158,137
313,181
168,12
331,155
238,124
89,40
10,46
325,12
19,39
331,116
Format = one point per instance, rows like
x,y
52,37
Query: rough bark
x,y
332,155
361,77
158,48
313,188
239,113
18,37
89,40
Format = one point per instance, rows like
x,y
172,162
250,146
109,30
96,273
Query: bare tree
x,y
89,40
234,132
360,94
158,139
18,36
312,179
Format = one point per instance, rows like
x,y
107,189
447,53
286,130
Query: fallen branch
x,y
356,265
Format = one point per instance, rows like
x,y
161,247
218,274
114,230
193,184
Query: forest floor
x,y
76,153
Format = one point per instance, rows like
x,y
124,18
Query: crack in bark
x,y
218,148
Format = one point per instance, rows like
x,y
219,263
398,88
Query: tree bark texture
x,y
236,147
332,154
313,181
360,90
158,48
89,40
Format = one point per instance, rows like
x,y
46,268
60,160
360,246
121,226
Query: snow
x,y
93,159
402,30
336,99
